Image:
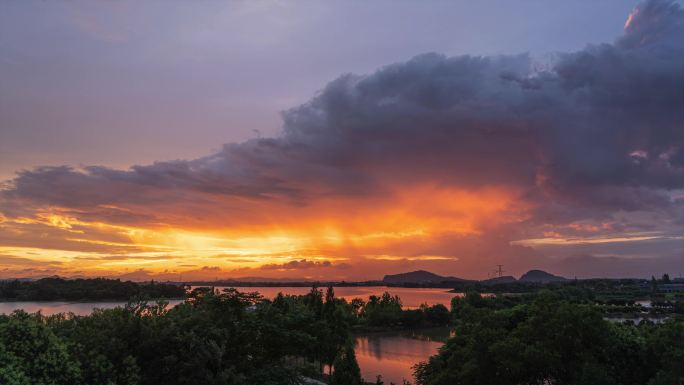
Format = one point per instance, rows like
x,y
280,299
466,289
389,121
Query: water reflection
x,y
393,354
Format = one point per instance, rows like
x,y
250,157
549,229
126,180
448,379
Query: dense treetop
x,y
97,289
555,336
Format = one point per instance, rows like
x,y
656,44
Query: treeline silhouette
x,y
386,311
623,286
98,289
211,338
553,337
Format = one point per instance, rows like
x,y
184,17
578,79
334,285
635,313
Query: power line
x,y
499,270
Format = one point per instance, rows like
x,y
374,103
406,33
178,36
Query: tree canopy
x,y
94,289
552,341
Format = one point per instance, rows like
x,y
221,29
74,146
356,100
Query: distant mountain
x,y
497,280
540,277
419,276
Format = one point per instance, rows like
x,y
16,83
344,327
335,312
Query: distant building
x,y
671,287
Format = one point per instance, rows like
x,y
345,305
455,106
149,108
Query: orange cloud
x,y
272,235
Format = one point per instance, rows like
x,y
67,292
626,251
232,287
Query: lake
x,y
391,354
410,298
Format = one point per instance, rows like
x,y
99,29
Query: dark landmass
x,y
226,337
423,278
418,277
242,338
541,277
521,335
415,279
96,289
499,280
100,289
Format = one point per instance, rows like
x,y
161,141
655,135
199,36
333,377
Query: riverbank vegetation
x,y
386,312
96,289
558,335
549,338
626,298
221,338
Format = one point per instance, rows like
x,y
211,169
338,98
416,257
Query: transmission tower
x,y
499,270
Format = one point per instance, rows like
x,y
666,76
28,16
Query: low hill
x,y
498,280
419,276
540,276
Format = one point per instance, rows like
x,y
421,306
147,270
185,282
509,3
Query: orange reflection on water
x,y
393,355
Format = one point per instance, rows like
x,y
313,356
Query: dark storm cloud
x,y
600,130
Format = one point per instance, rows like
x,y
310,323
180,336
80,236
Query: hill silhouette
x,y
541,276
418,276
426,277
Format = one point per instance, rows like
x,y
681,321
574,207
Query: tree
x,y
357,305
329,305
11,369
383,311
437,314
666,350
47,289
548,341
279,302
334,328
30,353
314,300
347,370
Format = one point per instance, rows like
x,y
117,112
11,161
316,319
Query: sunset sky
x,y
341,140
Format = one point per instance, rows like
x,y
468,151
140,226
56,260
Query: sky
x,y
341,140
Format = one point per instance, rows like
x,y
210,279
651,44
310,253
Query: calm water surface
x,y
393,354
55,307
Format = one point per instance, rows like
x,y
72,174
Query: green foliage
x,y
30,353
412,318
227,338
382,311
665,349
386,311
557,335
678,307
347,370
98,289
437,314
549,340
